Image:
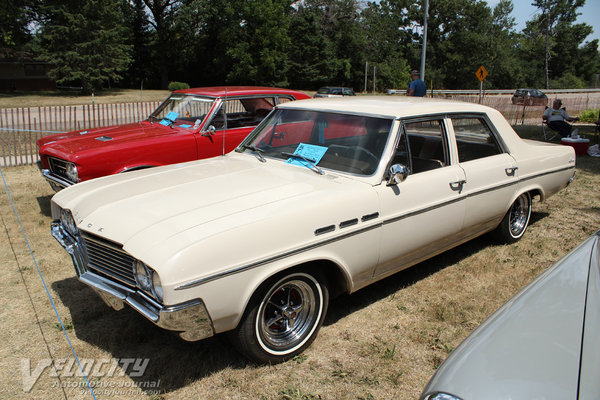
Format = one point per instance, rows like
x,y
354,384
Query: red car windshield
x,y
186,111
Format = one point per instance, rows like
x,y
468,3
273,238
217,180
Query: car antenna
x,y
225,120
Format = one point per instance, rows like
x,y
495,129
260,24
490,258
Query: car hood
x,y
73,145
531,348
216,204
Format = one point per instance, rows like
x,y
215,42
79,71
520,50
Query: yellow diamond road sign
x,y
481,73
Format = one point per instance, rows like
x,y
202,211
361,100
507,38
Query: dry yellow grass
x,y
60,98
383,342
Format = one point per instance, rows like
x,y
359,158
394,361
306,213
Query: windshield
x,y
186,111
340,142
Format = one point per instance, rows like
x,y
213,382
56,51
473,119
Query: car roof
x,y
334,87
395,107
222,91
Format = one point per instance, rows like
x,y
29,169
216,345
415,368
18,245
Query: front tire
x,y
283,318
515,222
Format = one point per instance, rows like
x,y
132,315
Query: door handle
x,y
458,185
511,171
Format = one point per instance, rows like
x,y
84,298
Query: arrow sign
x,y
481,73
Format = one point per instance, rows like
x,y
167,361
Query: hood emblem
x,y
104,138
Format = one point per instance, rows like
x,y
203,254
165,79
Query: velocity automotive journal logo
x,y
92,368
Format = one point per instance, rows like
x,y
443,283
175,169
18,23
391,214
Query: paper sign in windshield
x,y
169,119
309,151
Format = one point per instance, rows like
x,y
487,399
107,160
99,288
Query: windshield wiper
x,y
308,160
257,151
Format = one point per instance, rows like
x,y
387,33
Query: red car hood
x,y
65,145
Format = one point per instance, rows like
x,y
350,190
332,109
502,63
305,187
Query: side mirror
x,y
397,174
210,132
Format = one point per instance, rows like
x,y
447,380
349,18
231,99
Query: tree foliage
x,y
303,43
84,42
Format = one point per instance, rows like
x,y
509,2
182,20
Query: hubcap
x,y
288,314
519,215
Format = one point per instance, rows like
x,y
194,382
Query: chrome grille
x,y
58,167
109,259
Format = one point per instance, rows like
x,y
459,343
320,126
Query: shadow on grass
x,y
348,304
127,334
588,164
44,203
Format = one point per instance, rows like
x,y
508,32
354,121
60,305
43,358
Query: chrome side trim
x,y
275,258
290,253
423,210
547,173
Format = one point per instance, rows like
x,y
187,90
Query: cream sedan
x,y
324,197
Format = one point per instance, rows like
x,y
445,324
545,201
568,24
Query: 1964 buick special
x,y
325,196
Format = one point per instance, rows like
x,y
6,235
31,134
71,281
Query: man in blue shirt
x,y
417,86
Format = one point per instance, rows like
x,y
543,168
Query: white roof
x,y
396,107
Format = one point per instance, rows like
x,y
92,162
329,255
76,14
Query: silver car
x,y
542,344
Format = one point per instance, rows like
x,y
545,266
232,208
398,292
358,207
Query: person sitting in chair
x,y
557,119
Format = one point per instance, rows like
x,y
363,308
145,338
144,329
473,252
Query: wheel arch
x,y
534,192
336,278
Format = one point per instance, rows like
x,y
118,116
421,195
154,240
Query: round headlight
x,y
156,286
71,172
143,276
66,219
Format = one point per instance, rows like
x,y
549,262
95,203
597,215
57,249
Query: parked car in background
x,y
542,344
190,124
395,91
530,97
324,197
330,91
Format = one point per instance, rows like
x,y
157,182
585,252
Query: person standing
x,y
416,87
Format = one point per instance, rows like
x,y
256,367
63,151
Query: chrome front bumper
x,y
56,182
189,320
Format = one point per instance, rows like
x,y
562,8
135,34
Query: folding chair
x,y
547,130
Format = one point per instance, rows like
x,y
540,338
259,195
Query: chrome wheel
x,y
283,317
515,222
288,314
519,215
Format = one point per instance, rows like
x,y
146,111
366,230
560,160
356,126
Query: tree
x,y
163,12
140,38
392,44
259,53
84,41
330,43
311,52
556,16
16,15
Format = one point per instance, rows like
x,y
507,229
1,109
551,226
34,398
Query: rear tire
x,y
283,317
515,222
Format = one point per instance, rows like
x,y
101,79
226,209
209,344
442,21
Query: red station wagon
x,y
189,125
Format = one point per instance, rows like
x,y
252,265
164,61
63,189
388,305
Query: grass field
x,y
383,342
69,98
